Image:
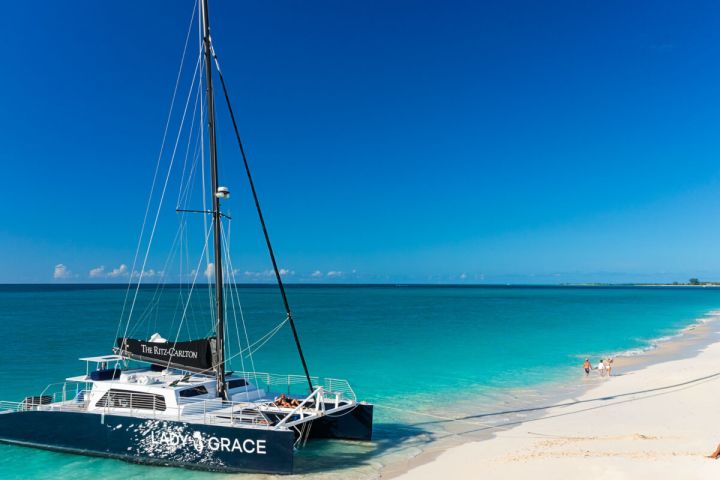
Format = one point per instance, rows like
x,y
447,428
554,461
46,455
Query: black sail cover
x,y
193,355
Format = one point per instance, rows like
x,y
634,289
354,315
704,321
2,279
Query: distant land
x,y
693,282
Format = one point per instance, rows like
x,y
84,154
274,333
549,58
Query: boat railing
x,y
62,392
222,412
273,381
340,388
328,395
298,384
205,411
64,399
317,404
7,406
216,411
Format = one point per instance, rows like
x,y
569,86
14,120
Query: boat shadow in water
x,y
388,438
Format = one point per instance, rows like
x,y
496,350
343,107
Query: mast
x,y
217,243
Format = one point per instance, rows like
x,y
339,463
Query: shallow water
x,y
482,351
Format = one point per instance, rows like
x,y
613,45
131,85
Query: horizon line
x,y
374,284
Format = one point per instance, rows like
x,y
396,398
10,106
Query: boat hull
x,y
354,425
149,441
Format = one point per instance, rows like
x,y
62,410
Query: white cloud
x,y
98,272
150,273
210,270
316,273
120,271
61,272
263,274
463,276
268,274
334,274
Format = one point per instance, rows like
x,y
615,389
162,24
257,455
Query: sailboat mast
x,y
219,305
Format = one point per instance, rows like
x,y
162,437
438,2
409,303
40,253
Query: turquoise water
x,y
398,346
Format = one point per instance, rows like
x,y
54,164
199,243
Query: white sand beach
x,y
657,422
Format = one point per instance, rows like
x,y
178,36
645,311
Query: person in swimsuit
x,y
601,368
586,366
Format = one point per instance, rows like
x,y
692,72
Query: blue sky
x,y
520,142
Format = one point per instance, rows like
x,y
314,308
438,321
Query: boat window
x,y
129,399
238,382
193,392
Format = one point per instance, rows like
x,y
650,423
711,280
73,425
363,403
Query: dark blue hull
x,y
355,425
159,442
173,443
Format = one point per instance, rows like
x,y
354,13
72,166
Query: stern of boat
x,y
355,424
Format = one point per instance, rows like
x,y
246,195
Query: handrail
x,y
330,394
317,393
7,406
340,388
204,411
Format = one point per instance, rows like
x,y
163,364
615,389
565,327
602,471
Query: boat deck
x,y
149,400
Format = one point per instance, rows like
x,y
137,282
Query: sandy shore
x,y
654,421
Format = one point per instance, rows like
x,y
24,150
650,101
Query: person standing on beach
x,y
606,364
587,366
610,365
601,367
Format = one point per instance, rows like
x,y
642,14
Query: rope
x,y
192,287
232,297
265,339
155,301
269,335
160,204
278,277
242,315
187,151
157,169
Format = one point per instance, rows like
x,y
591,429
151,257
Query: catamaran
x,y
171,402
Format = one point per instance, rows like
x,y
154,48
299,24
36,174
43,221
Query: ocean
x,y
420,353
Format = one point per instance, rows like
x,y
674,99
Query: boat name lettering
x,y
215,444
172,352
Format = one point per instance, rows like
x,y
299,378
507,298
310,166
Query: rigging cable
x,y
187,151
159,208
281,286
197,271
201,50
230,280
242,315
157,170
